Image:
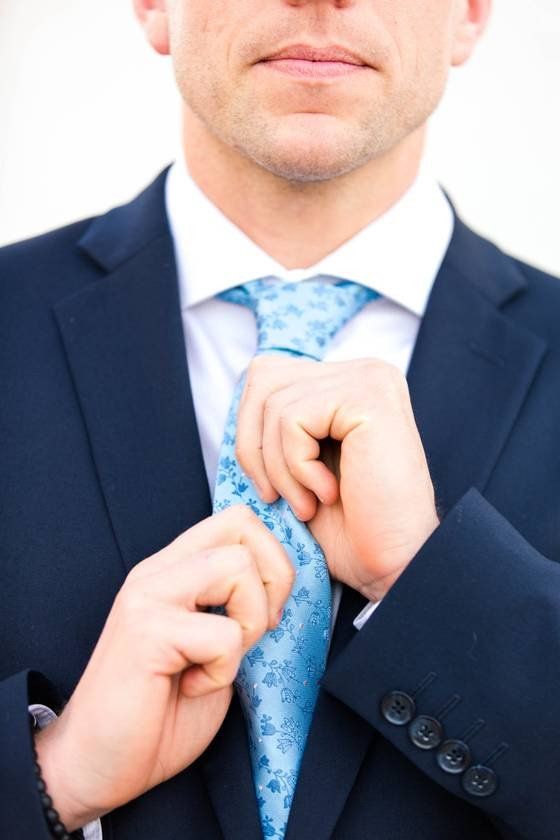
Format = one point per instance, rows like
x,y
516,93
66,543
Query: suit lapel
x,y
472,366
468,378
125,346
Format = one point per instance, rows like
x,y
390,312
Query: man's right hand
x,y
159,682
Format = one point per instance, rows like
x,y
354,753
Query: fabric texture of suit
x,y
101,466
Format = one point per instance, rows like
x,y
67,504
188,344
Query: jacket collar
x,y
119,235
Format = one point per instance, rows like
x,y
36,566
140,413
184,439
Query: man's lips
x,y
305,52
315,62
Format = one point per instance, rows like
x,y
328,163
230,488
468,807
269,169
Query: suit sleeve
x,y
459,668
21,813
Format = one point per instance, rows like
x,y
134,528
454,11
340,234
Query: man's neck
x,y
298,224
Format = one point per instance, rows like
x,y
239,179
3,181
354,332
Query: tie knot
x,y
299,318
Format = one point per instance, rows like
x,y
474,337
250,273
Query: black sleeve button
x,y
425,732
453,756
398,708
480,781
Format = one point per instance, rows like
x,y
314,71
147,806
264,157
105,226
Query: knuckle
x,y
273,404
396,384
241,558
258,362
256,366
232,639
301,474
373,369
385,375
134,574
156,641
262,623
296,462
242,452
220,680
288,572
240,514
133,600
284,417
393,374
256,628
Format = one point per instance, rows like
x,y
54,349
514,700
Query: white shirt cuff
x,y
365,614
43,715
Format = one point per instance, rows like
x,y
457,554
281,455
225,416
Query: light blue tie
x,y
278,680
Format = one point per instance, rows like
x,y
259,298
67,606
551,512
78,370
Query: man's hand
x,y
158,684
374,508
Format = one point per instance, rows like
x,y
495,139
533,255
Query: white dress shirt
x,y
398,255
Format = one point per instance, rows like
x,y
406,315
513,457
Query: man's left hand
x,y
339,442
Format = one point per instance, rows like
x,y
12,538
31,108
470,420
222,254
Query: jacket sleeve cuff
x,y
468,637
21,814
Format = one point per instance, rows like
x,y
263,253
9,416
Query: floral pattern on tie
x,y
278,680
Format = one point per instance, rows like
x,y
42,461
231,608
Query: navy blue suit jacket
x,y
100,466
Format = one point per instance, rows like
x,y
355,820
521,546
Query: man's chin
x,y
310,175
303,162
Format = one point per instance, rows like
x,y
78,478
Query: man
x,y
438,515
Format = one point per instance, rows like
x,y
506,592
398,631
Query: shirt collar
x,y
398,254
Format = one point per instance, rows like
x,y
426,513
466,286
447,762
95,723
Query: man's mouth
x,y
312,62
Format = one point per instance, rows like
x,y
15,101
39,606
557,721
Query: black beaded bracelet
x,y
54,823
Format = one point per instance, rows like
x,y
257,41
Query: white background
x,y
88,115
